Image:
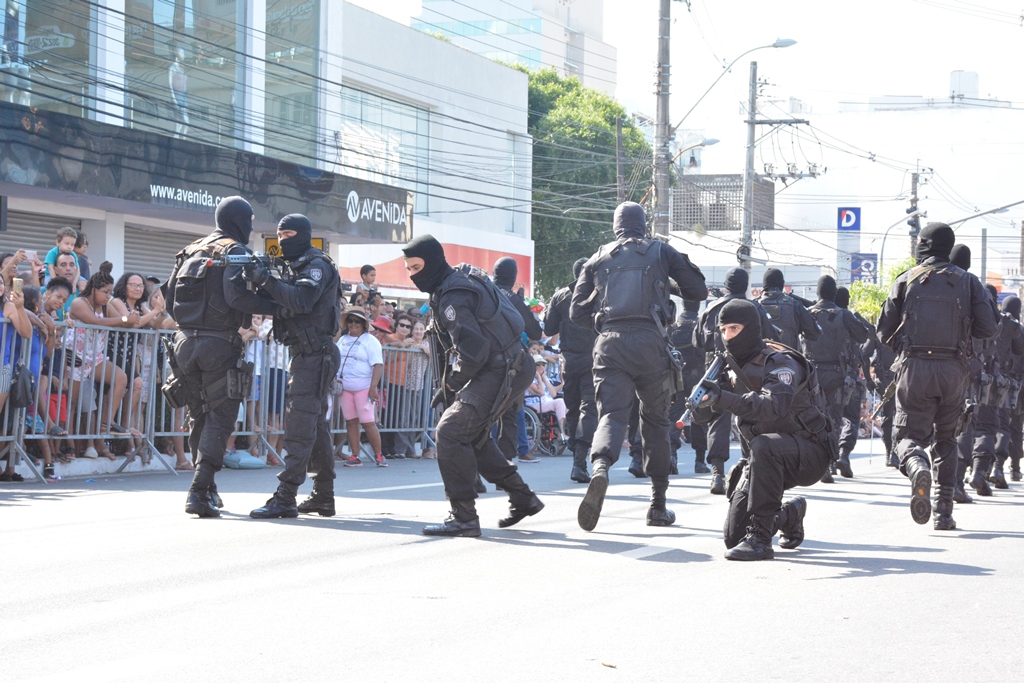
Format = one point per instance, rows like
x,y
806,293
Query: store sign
x,y
119,165
863,268
849,219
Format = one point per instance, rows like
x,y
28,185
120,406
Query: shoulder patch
x,y
785,375
316,274
449,313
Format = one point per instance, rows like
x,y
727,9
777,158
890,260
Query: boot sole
x,y
276,515
982,488
669,520
453,533
590,509
512,520
731,554
202,513
920,499
322,513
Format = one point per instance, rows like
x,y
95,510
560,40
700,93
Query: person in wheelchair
x,y
547,393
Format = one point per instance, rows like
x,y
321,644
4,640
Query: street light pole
x,y
662,133
748,173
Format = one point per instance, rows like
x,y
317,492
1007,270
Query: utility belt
x,y
826,364
227,335
628,325
934,354
307,341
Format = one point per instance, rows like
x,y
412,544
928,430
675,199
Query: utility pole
x,y
662,126
915,222
748,173
984,255
620,178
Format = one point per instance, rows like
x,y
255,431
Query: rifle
x,y
269,262
439,363
890,391
699,392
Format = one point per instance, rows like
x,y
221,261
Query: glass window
x,y
46,53
386,142
293,40
184,68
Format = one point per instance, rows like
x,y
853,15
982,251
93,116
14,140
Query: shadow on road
x,y
648,552
851,565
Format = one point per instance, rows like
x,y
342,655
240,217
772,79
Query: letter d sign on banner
x,y
849,218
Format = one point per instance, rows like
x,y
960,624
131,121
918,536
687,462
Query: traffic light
x,y
915,222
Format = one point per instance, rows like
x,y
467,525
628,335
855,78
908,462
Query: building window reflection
x,y
293,39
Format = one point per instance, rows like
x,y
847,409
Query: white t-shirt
x,y
358,356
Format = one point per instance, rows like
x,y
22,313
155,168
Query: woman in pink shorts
x,y
362,364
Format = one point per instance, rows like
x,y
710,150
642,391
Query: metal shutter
x,y
151,252
33,231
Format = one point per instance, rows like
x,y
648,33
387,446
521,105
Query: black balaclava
x,y
936,240
745,345
774,279
992,292
630,221
435,266
1011,305
736,281
293,248
234,218
960,256
842,297
827,288
506,270
577,268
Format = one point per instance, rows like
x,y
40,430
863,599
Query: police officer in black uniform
x,y
983,427
784,426
855,365
829,353
707,336
476,324
1009,351
881,358
681,334
506,270
789,316
308,315
576,345
623,294
210,302
1015,369
933,311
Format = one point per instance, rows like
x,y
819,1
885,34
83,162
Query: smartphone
x,y
16,284
32,255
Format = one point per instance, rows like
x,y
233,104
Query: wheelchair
x,y
543,433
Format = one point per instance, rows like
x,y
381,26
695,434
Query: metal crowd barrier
x,y
101,385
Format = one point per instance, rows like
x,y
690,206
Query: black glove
x,y
256,273
714,392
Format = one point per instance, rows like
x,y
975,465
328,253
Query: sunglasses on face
x,y
353,320
405,325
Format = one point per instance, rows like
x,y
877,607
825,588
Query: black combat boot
x,y
280,505
757,544
996,476
893,460
320,502
1015,471
919,472
636,467
658,514
215,498
699,466
943,517
979,480
960,494
718,477
522,502
198,503
791,522
844,464
590,508
461,522
827,477
479,486
579,466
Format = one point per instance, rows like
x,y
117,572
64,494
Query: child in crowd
x,y
66,240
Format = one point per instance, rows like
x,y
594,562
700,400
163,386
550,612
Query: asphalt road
x,y
109,580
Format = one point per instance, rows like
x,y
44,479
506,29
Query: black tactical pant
x,y
775,463
580,402
464,444
851,423
930,397
631,363
1003,418
888,412
204,362
831,379
508,429
1016,445
307,433
719,437
985,428
696,435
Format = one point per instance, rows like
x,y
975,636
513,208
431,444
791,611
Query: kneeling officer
x,y
787,436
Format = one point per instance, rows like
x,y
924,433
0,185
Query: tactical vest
x,y
830,348
199,302
681,337
632,285
936,312
808,413
782,308
572,339
314,329
497,317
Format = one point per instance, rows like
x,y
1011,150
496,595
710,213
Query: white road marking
x,y
644,551
397,488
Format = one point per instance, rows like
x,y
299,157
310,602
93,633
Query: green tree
x,y
574,174
867,298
